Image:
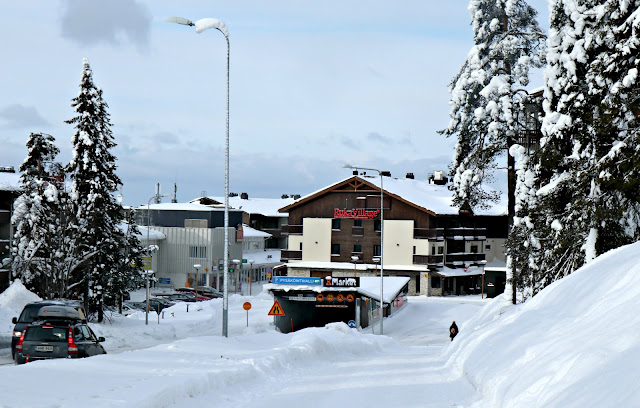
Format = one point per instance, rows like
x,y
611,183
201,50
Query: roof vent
x,y
438,178
7,169
244,196
410,176
233,194
285,196
296,196
385,173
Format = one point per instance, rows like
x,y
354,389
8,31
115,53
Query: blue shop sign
x,y
296,280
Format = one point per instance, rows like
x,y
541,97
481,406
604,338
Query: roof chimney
x,y
410,176
244,196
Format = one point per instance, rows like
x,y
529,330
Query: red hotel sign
x,y
360,213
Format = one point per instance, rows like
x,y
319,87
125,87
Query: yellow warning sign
x,y
276,309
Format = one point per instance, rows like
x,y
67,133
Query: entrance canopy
x,y
369,287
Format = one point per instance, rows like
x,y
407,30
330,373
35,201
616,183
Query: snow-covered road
x,y
184,360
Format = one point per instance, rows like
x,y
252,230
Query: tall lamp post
x,y
197,267
202,25
150,250
356,168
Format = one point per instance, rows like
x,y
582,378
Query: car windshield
x,y
46,333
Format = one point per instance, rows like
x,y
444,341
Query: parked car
x,y
178,297
207,291
59,332
30,313
157,304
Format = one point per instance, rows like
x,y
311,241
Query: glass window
x,y
440,250
487,247
335,224
435,282
376,250
357,248
376,225
357,223
335,249
474,249
197,252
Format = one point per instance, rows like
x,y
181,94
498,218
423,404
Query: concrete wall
x,y
398,242
316,241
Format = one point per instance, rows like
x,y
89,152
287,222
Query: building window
x,y
357,248
376,225
414,249
440,250
357,223
435,282
376,250
418,284
487,247
474,249
197,252
335,249
335,224
301,246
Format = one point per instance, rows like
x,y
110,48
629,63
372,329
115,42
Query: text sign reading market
x,y
359,213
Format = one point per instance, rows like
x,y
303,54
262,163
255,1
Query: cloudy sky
x,y
314,85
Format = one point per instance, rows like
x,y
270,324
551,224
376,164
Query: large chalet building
x,y
336,231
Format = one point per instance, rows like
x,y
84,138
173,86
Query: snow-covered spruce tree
x,y
588,155
97,239
507,43
38,217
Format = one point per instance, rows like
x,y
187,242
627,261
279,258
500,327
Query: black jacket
x,y
453,330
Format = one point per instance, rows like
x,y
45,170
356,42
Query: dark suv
x,y
59,333
30,314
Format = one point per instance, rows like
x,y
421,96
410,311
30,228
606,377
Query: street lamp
x,y
354,259
202,25
250,274
197,266
150,250
356,168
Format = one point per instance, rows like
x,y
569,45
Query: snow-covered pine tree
x,y
38,219
97,239
507,43
588,155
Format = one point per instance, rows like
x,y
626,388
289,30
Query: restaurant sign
x,y
359,213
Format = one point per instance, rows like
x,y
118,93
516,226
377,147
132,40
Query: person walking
x,y
453,330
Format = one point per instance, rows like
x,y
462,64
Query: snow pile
x,y
575,344
12,301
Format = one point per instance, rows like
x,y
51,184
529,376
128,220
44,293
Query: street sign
x,y
319,297
276,309
352,324
246,305
350,297
340,297
244,260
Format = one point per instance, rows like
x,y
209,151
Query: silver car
x,y
59,334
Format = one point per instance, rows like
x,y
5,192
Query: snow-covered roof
x,y
356,266
153,234
431,197
9,182
265,206
266,257
254,233
471,271
179,207
369,286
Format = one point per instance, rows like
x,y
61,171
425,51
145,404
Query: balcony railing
x,y
291,229
288,255
467,234
275,232
459,259
429,233
432,260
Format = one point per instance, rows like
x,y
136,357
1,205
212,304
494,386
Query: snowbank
x,y
575,344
